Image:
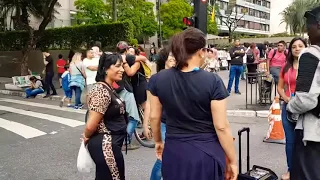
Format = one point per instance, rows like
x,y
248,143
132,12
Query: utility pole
x,y
159,21
201,14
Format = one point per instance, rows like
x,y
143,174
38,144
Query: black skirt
x,y
305,160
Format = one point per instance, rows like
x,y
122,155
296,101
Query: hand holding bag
x,y
84,160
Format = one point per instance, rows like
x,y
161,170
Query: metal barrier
x,y
261,85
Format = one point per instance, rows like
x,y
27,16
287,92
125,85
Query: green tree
x,y
92,11
140,13
212,27
172,14
231,21
293,15
23,10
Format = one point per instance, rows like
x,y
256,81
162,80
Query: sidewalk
x,y
236,103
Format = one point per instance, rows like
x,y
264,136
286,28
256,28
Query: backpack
x,y
65,82
275,52
146,69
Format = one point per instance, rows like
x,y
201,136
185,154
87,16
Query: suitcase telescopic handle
x,y
245,129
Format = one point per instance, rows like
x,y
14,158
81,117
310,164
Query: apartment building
x,y
254,16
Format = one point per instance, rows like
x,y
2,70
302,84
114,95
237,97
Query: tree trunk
x,y
230,35
24,62
114,10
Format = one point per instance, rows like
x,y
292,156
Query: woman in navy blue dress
x,y
198,135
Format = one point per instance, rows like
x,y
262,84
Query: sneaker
x,y
69,105
80,106
46,96
61,103
130,147
238,92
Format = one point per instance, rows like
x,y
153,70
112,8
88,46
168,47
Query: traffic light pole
x,y
201,14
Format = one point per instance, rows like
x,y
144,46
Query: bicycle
x,y
137,132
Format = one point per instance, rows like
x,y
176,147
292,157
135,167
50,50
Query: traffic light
x,y
201,13
188,21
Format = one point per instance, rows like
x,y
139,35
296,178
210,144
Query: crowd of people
x,y
190,118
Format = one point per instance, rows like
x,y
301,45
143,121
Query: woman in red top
x,y
286,88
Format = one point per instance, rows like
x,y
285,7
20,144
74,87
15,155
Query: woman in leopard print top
x,y
105,131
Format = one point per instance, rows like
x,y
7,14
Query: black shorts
x,y
59,75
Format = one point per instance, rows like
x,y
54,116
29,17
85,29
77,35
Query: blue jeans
x,y
33,92
243,74
289,133
235,72
156,170
132,125
77,90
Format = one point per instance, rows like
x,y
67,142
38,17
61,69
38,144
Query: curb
x,y
234,113
23,94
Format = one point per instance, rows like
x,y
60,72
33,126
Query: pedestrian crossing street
x,y
28,119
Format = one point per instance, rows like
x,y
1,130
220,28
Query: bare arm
x,y
222,127
280,89
131,71
155,117
44,61
92,123
146,117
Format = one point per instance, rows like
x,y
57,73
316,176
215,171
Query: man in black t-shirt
x,y
49,74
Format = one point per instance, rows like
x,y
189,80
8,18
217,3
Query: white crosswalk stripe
x,y
42,105
41,123
57,119
20,129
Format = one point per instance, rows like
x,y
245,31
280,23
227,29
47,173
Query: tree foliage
x,y
212,26
140,13
24,9
92,11
172,14
293,15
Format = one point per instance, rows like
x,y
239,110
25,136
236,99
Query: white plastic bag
x,y
84,161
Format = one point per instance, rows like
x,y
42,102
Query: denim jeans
x,y
77,90
234,74
290,135
33,92
275,71
156,170
243,74
132,125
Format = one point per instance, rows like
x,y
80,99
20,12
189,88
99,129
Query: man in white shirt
x,y
91,64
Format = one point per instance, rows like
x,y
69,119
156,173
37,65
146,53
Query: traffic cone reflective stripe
x,y
275,132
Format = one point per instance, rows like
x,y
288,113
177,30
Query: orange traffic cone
x,y
275,133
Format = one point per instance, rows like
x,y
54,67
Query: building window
x,y
241,23
251,12
268,4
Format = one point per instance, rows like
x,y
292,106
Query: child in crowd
x,y
65,86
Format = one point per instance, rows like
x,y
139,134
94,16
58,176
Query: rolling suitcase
x,y
257,172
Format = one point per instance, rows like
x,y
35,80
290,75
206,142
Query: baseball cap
x,y
122,45
313,15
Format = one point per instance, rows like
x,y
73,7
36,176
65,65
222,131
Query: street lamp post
x,y
159,21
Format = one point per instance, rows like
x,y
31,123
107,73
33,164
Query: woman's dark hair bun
x,y
186,44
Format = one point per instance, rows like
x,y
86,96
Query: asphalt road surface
x,y
40,141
